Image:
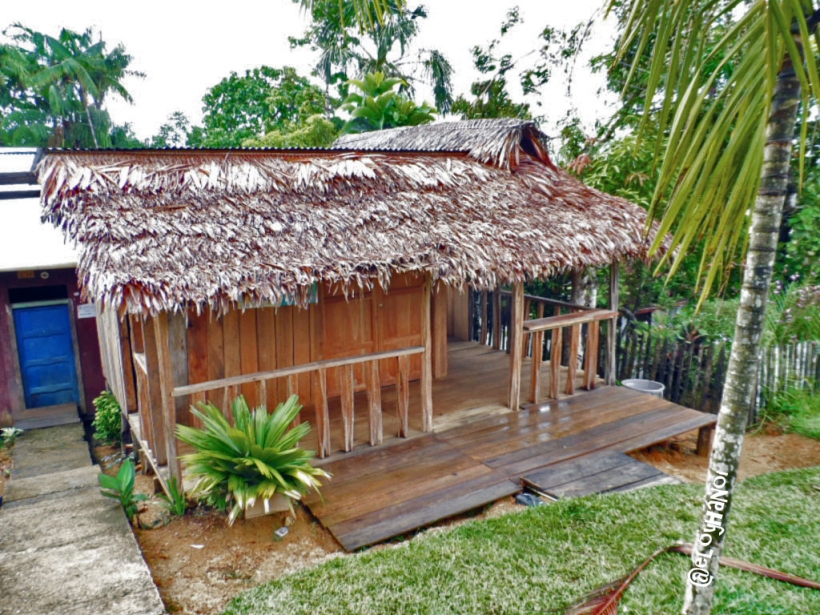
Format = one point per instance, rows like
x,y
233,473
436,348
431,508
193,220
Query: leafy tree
x,y
729,118
176,132
55,88
315,131
380,106
383,46
265,99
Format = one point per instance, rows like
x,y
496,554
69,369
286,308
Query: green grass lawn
x,y
547,558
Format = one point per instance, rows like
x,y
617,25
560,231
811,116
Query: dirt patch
x,y
199,563
762,453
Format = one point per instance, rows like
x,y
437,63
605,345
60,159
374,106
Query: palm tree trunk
x,y
738,389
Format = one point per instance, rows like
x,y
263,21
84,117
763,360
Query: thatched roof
x,y
159,229
498,142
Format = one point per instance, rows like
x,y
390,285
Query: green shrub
x,y
796,410
108,419
257,457
176,503
121,488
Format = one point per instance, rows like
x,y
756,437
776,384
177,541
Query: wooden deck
x,y
482,451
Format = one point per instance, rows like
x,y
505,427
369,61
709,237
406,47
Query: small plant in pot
x,y
254,459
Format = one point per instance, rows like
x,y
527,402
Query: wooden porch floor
x,y
481,451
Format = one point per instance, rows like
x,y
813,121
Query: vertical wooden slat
x,y
154,392
248,354
266,351
348,407
284,346
403,394
614,300
484,314
293,389
166,381
226,402
526,339
497,318
591,368
537,359
572,365
322,419
374,403
196,399
262,393
439,326
555,362
516,341
178,349
427,357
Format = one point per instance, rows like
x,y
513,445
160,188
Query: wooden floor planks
x,y
566,447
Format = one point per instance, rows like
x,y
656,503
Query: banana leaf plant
x,y
255,458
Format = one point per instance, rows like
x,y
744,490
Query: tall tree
x,y
242,107
56,87
384,46
731,78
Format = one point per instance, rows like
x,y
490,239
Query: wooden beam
x,y
566,320
166,383
516,341
537,358
296,369
427,357
348,407
374,402
403,395
612,328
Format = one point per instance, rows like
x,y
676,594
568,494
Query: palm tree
x,y
730,77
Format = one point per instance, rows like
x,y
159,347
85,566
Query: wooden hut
x,y
339,275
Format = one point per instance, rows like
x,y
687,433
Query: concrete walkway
x,y
64,548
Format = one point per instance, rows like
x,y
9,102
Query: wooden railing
x,y
229,386
592,318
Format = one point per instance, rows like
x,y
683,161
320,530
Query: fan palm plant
x,y
255,458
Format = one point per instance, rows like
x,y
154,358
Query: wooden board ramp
x,y
377,495
601,472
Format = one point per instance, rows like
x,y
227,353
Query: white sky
x,y
186,47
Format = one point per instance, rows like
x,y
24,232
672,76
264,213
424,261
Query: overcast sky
x,y
185,48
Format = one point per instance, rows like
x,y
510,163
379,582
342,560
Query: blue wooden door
x,y
46,350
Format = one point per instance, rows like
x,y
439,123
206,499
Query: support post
x,y
427,357
322,418
166,384
516,342
612,327
497,318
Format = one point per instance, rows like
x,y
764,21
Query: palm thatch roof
x,y
162,229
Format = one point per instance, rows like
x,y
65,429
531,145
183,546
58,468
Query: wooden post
x,y
348,408
516,341
705,436
537,358
526,338
403,394
166,383
374,402
427,357
555,361
322,419
612,327
155,400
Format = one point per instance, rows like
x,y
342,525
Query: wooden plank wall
x,y
111,355
458,313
